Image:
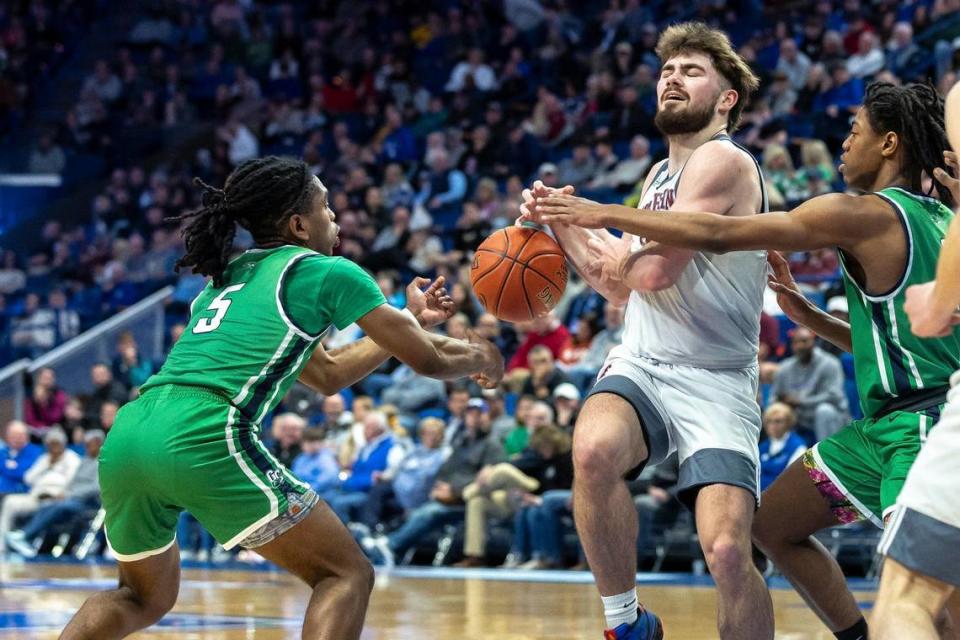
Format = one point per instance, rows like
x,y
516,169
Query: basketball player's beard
x,y
682,121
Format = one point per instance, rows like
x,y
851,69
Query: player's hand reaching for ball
x,y
561,208
529,211
792,302
432,306
489,377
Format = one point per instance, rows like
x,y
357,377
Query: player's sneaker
x,y
647,627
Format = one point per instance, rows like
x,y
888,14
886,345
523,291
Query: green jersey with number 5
x,y
250,338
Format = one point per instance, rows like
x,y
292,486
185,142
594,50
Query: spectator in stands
x,y
501,489
108,415
579,168
457,399
287,434
12,277
374,457
545,375
316,465
566,403
583,373
472,450
81,495
103,83
868,59
585,329
778,167
408,391
782,446
902,51
47,403
546,330
105,389
47,157
472,74
818,168
627,173
407,487
811,382
501,423
46,479
444,189
129,367
17,455
793,63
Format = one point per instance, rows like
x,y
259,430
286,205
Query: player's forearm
x,y
330,371
454,358
831,329
687,230
574,242
946,291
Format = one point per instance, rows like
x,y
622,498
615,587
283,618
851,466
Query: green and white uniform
x,y
902,379
191,441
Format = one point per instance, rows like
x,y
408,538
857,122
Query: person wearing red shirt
x,y
548,331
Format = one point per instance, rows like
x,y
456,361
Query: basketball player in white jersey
x,y
921,572
685,377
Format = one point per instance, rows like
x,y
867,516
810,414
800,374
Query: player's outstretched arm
x,y
825,221
330,371
430,354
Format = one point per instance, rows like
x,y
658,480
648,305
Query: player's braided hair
x,y
260,195
915,113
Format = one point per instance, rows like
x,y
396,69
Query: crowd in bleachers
x,y
426,120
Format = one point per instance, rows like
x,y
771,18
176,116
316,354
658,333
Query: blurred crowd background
x,y
425,120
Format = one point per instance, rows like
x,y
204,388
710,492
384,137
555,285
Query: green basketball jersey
x,y
250,338
890,362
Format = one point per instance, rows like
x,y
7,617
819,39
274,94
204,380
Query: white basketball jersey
x,y
710,317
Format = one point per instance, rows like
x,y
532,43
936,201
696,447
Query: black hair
x,y
915,113
260,195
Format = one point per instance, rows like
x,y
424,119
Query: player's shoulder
x,y
721,155
318,266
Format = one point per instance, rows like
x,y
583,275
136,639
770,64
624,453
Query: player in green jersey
x,y
888,239
191,441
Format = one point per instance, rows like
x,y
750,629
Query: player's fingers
x,y
568,190
419,282
436,285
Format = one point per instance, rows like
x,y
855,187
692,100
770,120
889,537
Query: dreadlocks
x,y
915,113
260,195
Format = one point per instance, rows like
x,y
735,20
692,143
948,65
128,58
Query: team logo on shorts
x,y
275,477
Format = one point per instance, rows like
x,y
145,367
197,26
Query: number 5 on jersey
x,y
219,305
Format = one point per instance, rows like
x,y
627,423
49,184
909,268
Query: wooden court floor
x,y
216,604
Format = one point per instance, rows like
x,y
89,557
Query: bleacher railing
x,y
72,360
12,390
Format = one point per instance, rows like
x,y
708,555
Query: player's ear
x,y
890,144
729,99
297,228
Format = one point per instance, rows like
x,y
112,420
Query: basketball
x,y
519,273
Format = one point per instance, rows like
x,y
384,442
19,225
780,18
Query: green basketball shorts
x,y
186,448
861,469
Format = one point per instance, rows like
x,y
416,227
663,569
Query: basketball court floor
x,y
408,603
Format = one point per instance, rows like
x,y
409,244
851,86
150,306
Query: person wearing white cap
x,y
566,401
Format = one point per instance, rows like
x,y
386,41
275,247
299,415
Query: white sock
x,y
620,609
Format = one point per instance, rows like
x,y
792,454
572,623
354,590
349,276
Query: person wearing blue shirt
x,y
17,455
782,445
316,465
373,458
